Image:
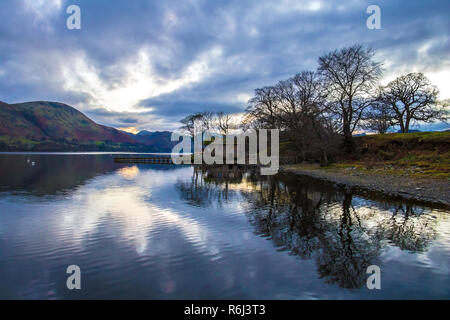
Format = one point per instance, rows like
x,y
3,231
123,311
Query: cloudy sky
x,y
146,64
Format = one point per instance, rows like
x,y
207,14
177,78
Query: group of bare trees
x,y
342,95
295,106
317,110
220,122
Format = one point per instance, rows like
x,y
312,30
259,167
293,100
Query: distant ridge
x,y
54,126
42,119
158,139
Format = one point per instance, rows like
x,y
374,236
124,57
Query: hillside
x,y
52,126
418,154
54,120
159,139
414,154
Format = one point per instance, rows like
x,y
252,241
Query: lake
x,y
176,232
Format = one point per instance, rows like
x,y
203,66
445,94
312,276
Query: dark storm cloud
x,y
237,46
128,120
219,95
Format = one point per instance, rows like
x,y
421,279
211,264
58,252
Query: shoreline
x,y
423,190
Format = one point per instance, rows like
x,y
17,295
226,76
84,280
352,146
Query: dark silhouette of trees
x,y
207,120
225,122
297,107
379,117
190,123
412,98
262,111
318,110
201,122
313,107
350,77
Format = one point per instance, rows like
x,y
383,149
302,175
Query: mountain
x,y
159,139
53,126
56,121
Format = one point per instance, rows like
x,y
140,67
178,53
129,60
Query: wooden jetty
x,y
147,160
168,160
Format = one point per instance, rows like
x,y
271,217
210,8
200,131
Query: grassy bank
x,y
421,155
413,166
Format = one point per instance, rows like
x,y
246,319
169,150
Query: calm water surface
x,y
169,232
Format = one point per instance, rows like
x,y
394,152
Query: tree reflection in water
x,y
311,219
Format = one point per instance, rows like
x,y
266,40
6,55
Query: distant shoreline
x,y
80,153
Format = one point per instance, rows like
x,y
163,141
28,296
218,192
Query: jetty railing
x,y
146,160
168,160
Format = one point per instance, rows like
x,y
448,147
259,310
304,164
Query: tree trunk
x,y
402,126
348,139
325,161
407,123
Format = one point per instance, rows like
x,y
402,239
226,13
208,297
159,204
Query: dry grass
x,y
421,154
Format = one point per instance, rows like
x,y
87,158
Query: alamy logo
x,y
213,148
374,20
374,280
73,281
74,20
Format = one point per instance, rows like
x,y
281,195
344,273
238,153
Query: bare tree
x,y
262,110
310,91
296,106
379,117
307,121
287,103
198,122
207,120
190,123
412,98
350,75
282,106
225,122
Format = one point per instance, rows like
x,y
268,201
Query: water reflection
x,y
343,233
129,172
52,174
178,232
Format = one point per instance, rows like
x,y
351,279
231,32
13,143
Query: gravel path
x,y
433,191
